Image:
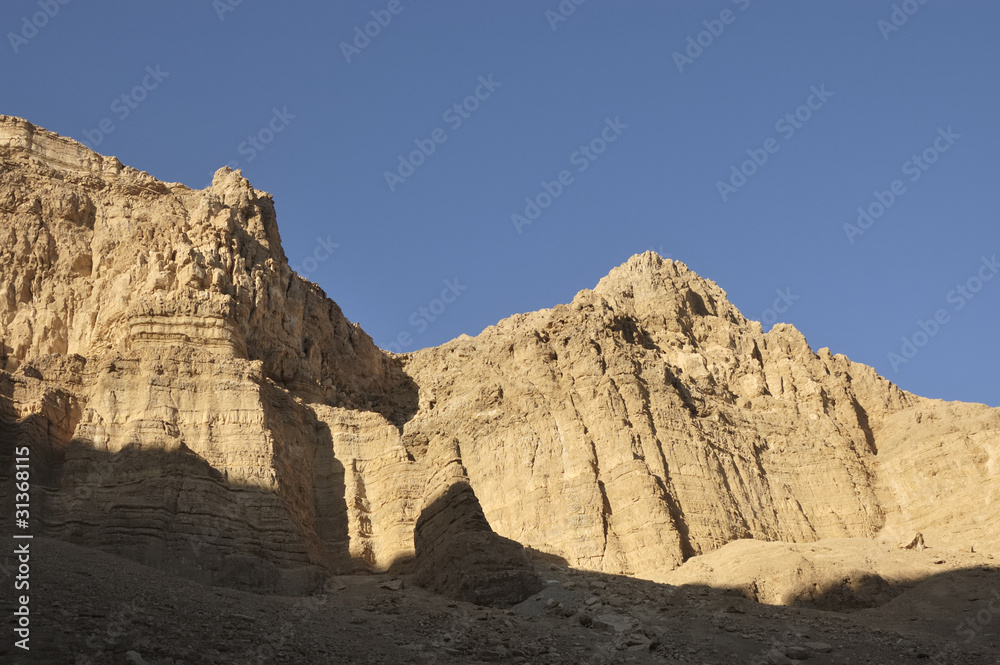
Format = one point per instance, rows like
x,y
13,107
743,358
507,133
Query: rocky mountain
x,y
649,421
193,404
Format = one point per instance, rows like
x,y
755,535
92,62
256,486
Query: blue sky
x,y
269,88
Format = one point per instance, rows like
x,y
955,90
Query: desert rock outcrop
x,y
191,402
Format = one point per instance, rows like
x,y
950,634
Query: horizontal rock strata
x,y
191,402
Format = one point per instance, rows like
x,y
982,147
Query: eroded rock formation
x,y
186,396
191,402
457,552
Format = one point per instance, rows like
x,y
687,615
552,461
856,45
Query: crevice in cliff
x,y
682,390
606,512
865,426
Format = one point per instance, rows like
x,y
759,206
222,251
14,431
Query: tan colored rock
x,y
649,421
835,574
456,552
184,390
192,403
939,474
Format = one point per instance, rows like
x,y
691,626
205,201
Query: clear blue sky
x,y
222,75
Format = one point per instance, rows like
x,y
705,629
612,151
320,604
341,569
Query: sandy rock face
x,y
191,402
939,474
649,421
170,371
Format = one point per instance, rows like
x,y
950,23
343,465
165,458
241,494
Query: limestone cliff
x,y
648,420
187,397
192,403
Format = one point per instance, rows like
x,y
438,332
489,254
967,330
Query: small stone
x,y
334,584
392,585
592,600
597,584
797,653
133,658
613,623
821,647
775,657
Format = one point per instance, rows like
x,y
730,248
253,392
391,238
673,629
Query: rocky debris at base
x,y
100,607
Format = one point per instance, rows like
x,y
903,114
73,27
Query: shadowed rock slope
x,y
191,402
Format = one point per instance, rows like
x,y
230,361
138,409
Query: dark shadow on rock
x,y
546,558
174,511
459,555
329,498
857,591
402,399
631,620
853,591
950,616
